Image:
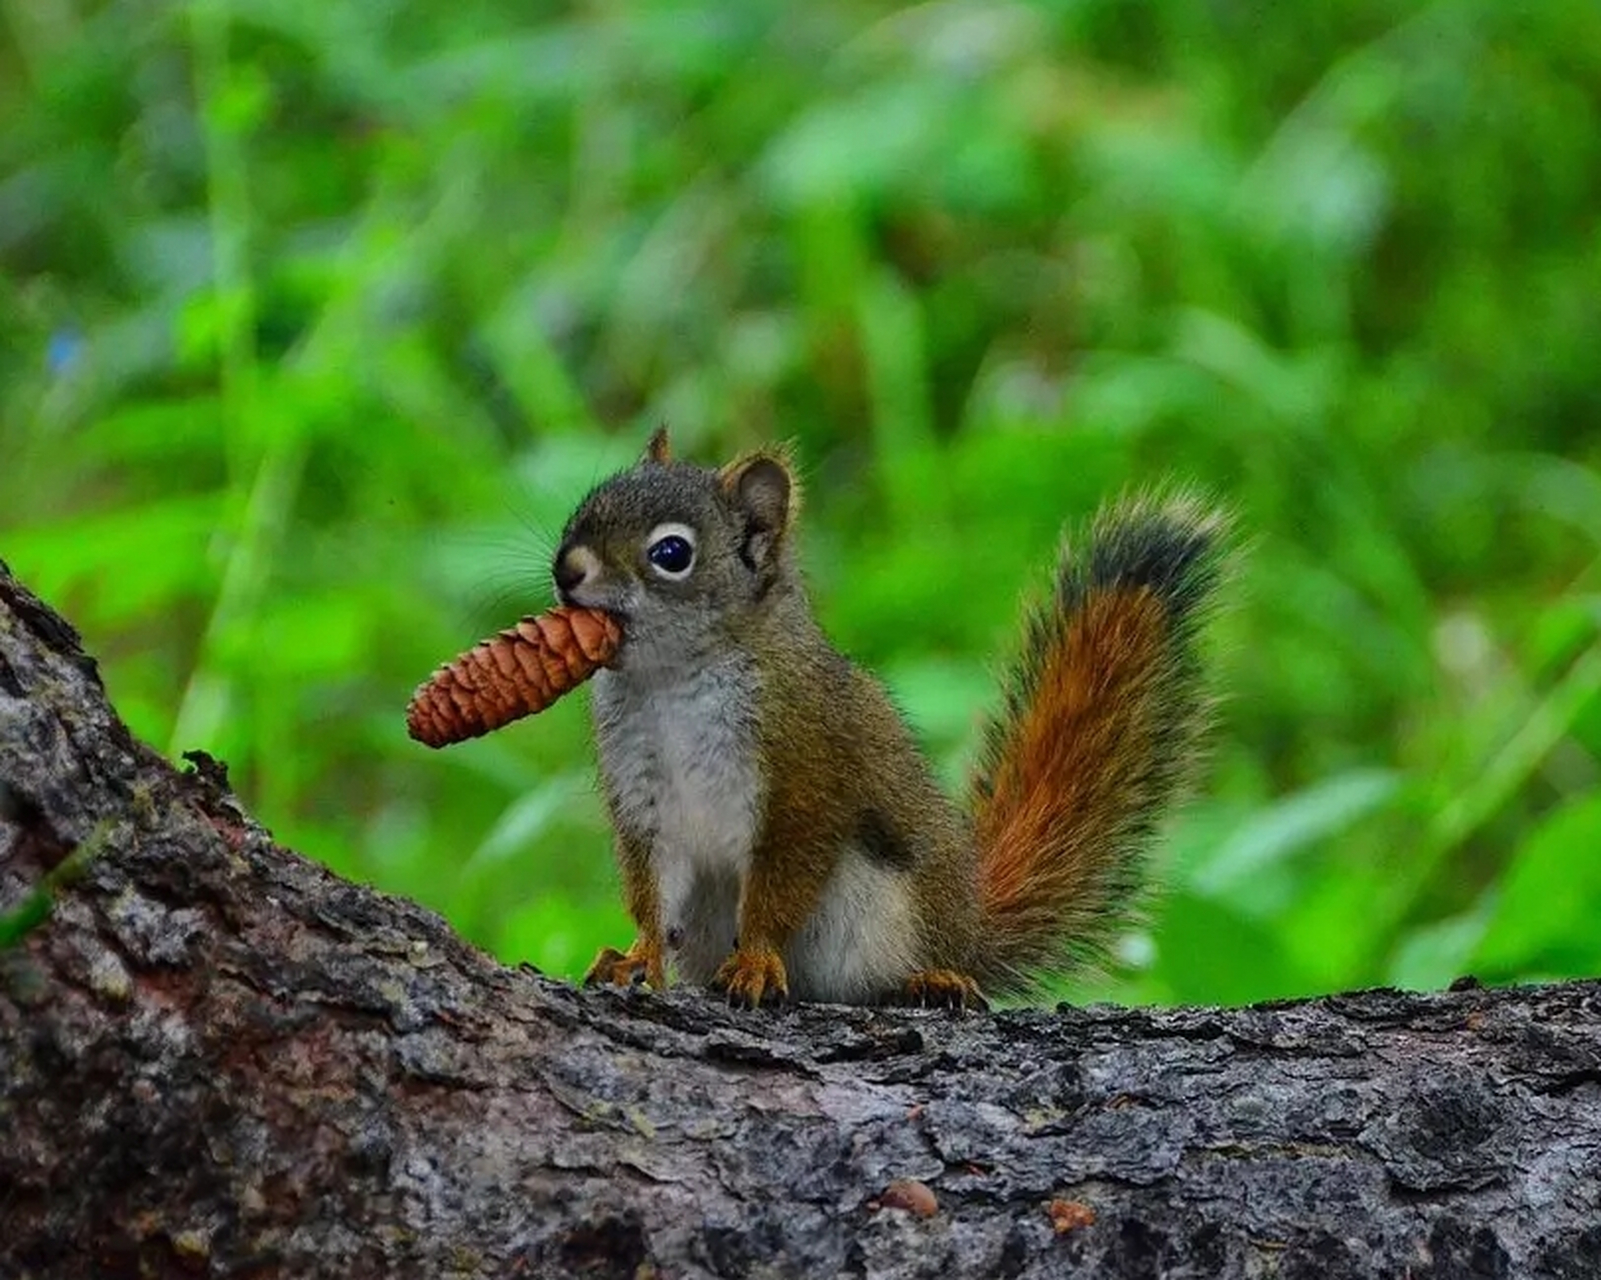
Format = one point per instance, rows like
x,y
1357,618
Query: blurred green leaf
x,y
112,567
1209,953
1244,863
1545,909
547,934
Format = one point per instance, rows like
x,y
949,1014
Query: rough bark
x,y
217,1058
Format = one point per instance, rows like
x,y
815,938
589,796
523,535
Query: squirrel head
x,y
683,555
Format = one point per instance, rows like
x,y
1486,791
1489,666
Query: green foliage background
x,y
318,318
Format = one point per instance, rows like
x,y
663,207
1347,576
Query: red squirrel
x,y
779,832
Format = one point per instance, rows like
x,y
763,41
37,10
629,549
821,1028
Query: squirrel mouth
x,y
576,600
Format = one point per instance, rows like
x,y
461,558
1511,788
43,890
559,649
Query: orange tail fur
x,y
1103,722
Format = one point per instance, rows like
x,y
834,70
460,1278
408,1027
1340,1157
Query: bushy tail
x,y
1103,720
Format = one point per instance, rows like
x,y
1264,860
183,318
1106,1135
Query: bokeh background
x,y
317,317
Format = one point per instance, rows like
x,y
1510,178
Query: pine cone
x,y
514,674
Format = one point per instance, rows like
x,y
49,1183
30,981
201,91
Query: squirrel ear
x,y
657,448
766,493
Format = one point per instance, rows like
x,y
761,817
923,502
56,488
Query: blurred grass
x,y
317,319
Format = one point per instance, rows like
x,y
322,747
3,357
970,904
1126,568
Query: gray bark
x,y
218,1059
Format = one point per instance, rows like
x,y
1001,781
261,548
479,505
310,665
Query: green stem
x,y
264,465
1501,778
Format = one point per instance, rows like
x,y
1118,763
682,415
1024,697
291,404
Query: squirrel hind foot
x,y
942,989
753,976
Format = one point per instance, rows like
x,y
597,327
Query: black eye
x,y
672,555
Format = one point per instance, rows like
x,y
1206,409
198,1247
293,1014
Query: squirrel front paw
x,y
642,962
753,976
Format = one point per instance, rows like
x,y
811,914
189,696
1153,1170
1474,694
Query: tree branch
x,y
216,1057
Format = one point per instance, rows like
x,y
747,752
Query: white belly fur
x,y
860,943
680,764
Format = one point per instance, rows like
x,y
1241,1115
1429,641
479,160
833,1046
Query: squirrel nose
x,y
574,567
568,575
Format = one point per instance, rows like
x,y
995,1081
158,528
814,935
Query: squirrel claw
x,y
631,968
943,989
751,977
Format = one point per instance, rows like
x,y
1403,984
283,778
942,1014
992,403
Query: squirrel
x,y
779,832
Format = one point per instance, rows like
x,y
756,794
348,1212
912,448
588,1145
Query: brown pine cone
x,y
516,673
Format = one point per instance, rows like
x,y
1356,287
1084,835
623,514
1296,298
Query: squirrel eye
x,y
671,550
